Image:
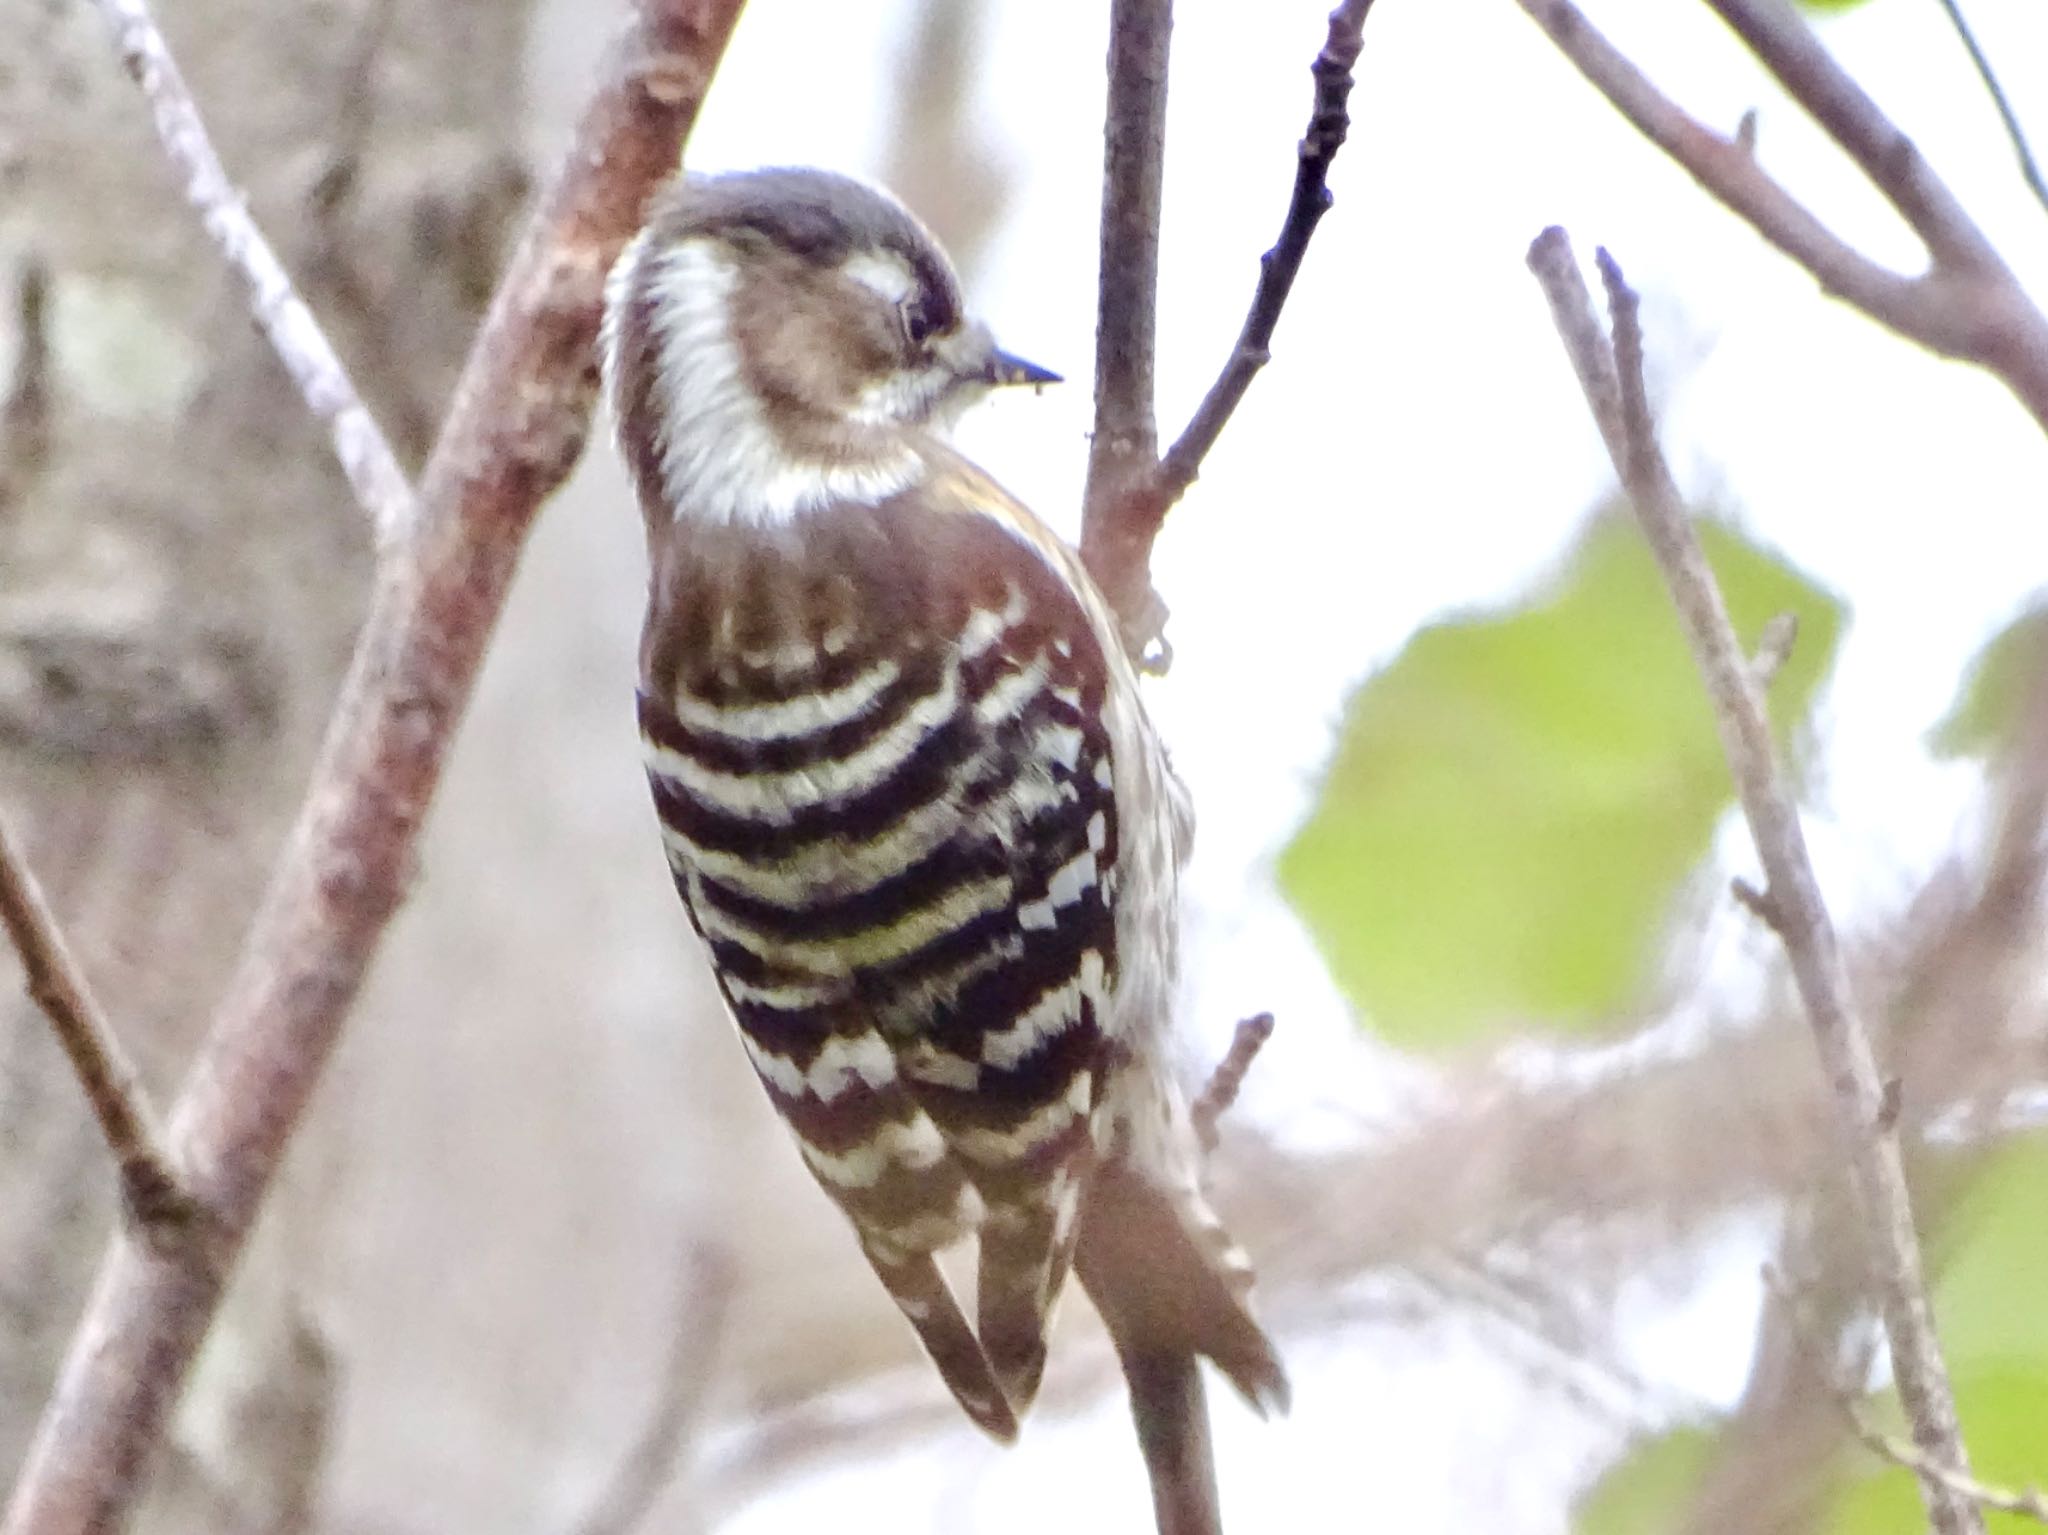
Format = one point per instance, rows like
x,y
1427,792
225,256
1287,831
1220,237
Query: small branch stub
x,y
1227,1080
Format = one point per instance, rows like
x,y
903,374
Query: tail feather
x,y
922,1294
1025,1254
1172,1290
1168,1282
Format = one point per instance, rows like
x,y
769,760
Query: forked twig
x,y
379,484
2029,1504
1967,305
1128,495
1799,916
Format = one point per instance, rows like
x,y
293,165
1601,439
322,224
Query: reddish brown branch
x,y
150,1191
1125,509
1866,1117
1967,305
517,425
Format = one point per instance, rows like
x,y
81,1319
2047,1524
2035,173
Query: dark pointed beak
x,y
1003,368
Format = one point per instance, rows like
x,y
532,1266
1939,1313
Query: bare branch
x,y
703,1302
1227,1080
1786,46
150,1191
517,425
1329,125
379,484
1967,306
1127,503
1803,923
1126,443
2030,168
2029,1504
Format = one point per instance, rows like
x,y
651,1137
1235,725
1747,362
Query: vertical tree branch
x,y
379,484
516,427
1126,443
1793,899
150,1192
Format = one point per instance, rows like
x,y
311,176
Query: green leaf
x,y
1644,1490
1514,802
1990,1304
1988,703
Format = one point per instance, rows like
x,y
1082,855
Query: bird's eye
x,y
923,317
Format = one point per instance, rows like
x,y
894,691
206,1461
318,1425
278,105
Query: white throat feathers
x,y
720,459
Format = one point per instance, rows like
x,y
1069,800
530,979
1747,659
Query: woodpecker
x,y
908,790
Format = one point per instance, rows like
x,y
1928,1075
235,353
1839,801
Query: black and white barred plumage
x,y
909,794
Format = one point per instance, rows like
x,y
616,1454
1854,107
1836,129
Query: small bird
x,y
909,793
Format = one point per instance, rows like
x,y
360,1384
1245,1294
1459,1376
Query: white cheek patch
x,y
720,460
881,272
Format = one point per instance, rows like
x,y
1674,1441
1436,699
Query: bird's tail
x,y
1172,1288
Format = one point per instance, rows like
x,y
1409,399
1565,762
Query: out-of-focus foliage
x,y
1989,700
1514,802
1647,1486
1827,6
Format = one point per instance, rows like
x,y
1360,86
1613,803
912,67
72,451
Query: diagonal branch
x,y
380,486
2030,168
1865,1109
517,426
1967,305
150,1191
1786,46
1128,496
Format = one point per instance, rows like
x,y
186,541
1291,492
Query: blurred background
x,y
1539,1110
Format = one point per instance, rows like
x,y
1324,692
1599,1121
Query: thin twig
x,y
1125,448
150,1191
2030,168
379,484
1967,306
703,1303
517,425
1227,1080
2029,1504
25,415
1123,513
1802,920
1785,45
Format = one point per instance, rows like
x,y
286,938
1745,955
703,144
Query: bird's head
x,y
782,338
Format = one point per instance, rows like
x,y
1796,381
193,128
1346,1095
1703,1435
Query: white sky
x,y
1418,446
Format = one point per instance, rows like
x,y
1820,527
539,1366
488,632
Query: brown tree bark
x,y
182,572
